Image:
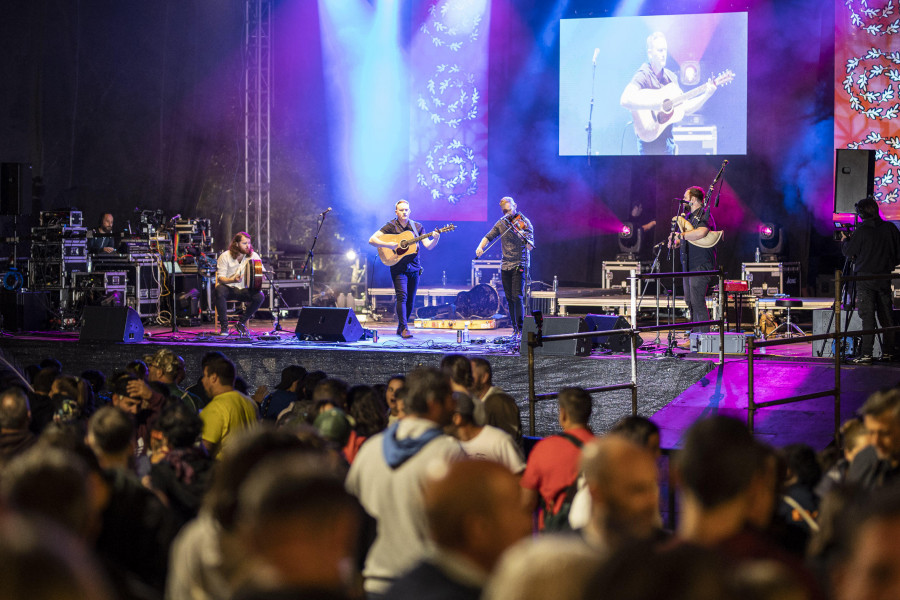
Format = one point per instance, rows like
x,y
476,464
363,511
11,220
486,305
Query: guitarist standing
x,y
230,270
696,258
517,243
405,274
638,95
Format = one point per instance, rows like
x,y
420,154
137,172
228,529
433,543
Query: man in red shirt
x,y
553,463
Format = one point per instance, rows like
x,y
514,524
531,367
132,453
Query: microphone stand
x,y
309,256
670,343
591,111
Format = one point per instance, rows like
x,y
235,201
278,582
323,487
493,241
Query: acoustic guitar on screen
x,y
649,124
409,244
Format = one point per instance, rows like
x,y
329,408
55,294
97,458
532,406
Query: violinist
x,y
517,241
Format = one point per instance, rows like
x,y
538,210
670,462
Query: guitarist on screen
x,y
638,98
230,282
517,241
405,274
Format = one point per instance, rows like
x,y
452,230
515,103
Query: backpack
x,y
559,520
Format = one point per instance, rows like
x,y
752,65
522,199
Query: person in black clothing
x,y
517,242
405,274
874,249
103,240
695,258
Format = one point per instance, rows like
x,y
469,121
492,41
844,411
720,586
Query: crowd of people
x,y
134,486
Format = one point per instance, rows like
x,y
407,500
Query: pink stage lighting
x,y
766,231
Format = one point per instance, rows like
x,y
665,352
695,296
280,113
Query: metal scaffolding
x,y
257,120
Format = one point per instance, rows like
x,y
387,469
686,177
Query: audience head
x,y
367,411
15,412
802,465
238,460
218,376
43,381
120,395
395,383
334,426
641,431
50,483
164,365
179,425
482,375
719,460
138,368
869,563
465,410
881,417
110,434
96,379
41,561
474,509
574,407
296,516
623,482
332,391
310,382
853,438
429,395
458,368
552,566
291,378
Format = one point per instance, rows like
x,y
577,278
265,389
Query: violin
x,y
517,221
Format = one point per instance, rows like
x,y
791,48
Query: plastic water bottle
x,y
444,279
466,333
757,254
555,283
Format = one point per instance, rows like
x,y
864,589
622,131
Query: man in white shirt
x,y
231,267
483,442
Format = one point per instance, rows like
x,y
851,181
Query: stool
x,y
789,327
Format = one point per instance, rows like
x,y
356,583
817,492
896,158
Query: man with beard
x,y
230,270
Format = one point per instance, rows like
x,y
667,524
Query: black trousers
x,y
874,298
514,290
405,285
224,293
695,289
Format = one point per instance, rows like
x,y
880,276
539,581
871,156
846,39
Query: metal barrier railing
x,y
536,339
753,406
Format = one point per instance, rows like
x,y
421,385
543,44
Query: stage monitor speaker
x,y
554,326
15,189
824,323
23,311
111,324
618,342
854,178
328,324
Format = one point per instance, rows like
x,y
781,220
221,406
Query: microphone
x,y
176,217
325,212
596,54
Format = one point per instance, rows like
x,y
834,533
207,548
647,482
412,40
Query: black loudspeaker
x,y
553,326
23,311
15,189
854,178
328,324
617,343
111,324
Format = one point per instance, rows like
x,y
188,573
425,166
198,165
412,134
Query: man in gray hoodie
x,y
389,472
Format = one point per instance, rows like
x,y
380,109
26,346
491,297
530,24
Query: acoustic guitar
x,y
707,241
649,124
408,244
252,274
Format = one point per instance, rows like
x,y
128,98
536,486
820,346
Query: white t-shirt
x,y
227,267
496,445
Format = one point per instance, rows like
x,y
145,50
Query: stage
x,y
673,390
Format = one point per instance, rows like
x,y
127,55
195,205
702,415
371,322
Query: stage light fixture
x,y
690,72
626,232
350,255
630,238
771,241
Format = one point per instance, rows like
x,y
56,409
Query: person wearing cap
x,y
484,442
166,367
334,425
285,392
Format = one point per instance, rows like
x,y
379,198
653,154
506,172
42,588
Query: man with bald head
x,y
15,417
473,516
622,479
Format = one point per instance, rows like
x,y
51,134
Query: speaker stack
x,y
854,178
